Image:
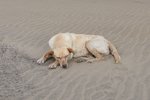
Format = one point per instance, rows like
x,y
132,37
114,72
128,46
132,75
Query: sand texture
x,y
27,25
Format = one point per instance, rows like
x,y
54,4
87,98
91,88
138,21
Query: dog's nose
x,y
64,66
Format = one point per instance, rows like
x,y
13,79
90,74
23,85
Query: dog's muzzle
x,y
65,66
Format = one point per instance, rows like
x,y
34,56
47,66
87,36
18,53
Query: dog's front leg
x,y
45,57
53,65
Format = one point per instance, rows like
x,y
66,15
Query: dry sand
x,y
27,25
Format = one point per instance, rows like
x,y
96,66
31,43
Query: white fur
x,y
41,60
98,42
101,44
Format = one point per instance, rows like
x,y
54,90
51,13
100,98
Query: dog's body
x,y
65,46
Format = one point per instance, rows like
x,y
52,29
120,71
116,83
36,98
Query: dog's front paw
x,y
52,66
41,60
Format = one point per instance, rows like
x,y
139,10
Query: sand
x,y
27,25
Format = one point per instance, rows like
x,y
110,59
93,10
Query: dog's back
x,y
60,40
68,39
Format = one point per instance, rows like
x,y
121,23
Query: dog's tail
x,y
114,52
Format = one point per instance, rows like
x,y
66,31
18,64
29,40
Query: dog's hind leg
x,y
94,51
98,56
45,57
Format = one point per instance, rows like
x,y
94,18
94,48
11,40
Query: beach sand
x,y
27,25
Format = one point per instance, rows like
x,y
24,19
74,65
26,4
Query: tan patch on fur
x,y
48,54
70,50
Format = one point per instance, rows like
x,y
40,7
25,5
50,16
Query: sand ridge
x,y
27,25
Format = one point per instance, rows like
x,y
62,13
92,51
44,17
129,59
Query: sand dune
x,y
27,25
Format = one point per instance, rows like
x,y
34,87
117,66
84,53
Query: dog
x,y
89,48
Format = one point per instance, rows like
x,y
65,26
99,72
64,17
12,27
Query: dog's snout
x,y
64,66
63,60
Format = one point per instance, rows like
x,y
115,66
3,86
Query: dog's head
x,y
62,55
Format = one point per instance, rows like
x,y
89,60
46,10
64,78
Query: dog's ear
x,y
49,54
70,50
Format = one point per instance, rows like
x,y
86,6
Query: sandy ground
x,y
27,25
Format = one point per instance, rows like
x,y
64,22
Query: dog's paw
x,y
40,61
52,66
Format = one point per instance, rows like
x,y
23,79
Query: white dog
x,y
65,46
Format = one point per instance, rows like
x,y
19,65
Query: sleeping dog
x,y
65,46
